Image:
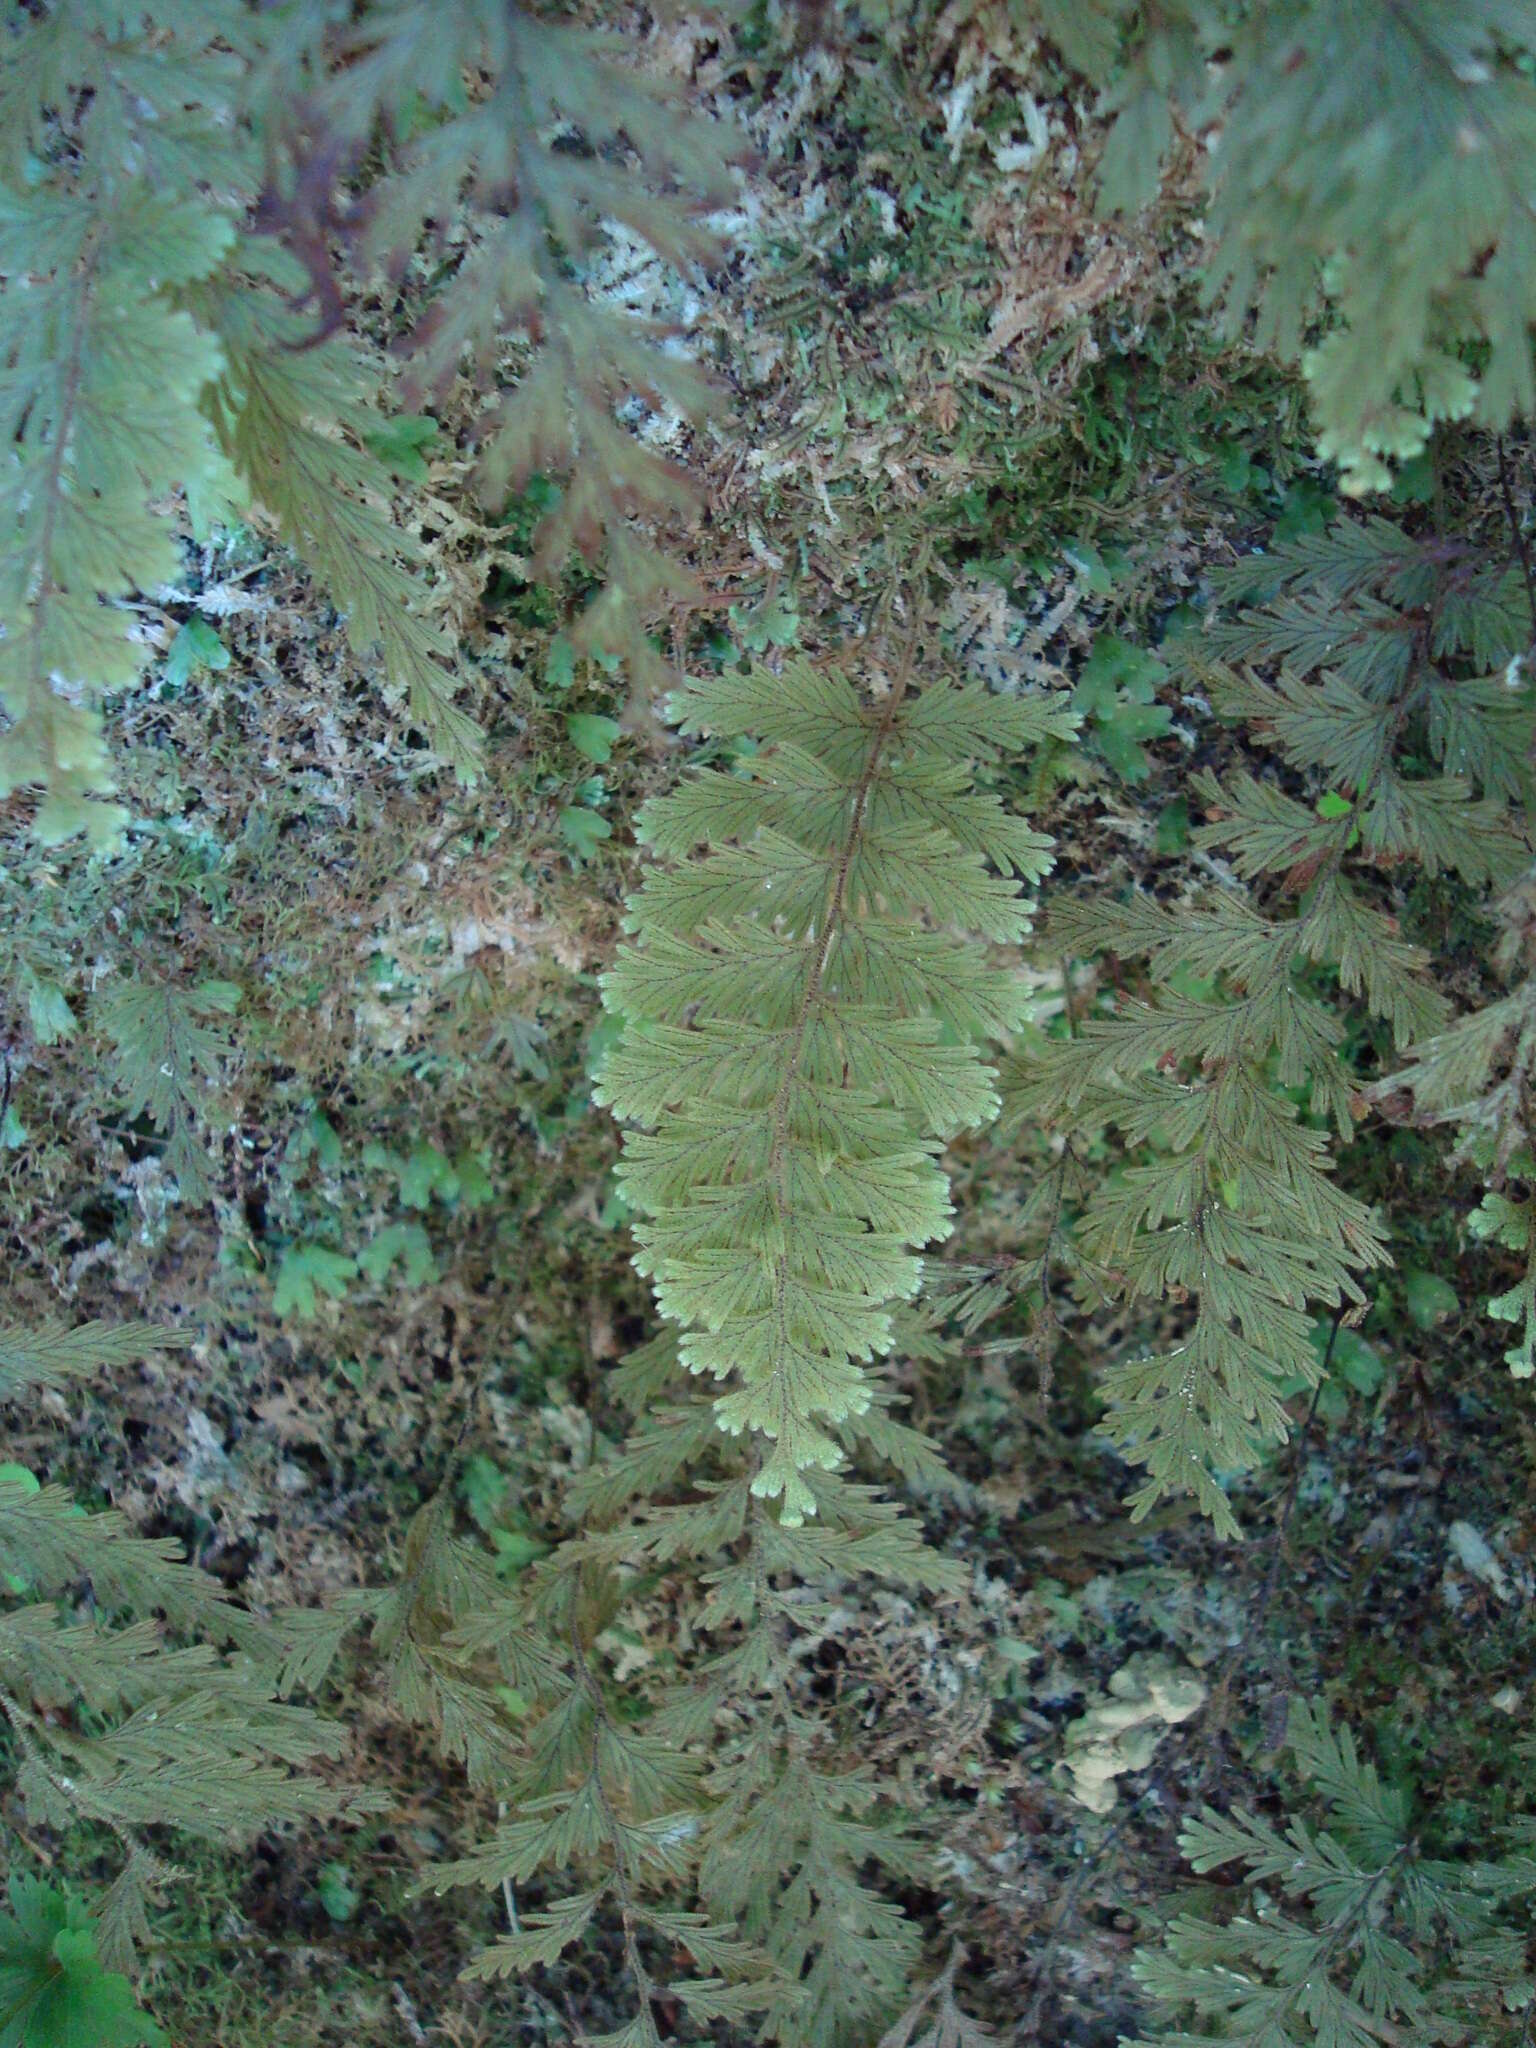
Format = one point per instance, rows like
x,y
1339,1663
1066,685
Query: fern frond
x,y
294,422
1361,1954
51,1354
100,373
167,1057
559,144
1228,1210
787,1188
1375,162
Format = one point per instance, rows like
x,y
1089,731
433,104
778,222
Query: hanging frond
x,y
1224,1089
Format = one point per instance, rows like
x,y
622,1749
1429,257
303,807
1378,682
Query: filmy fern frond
x,y
1228,1210
787,1189
1358,1953
1374,165
111,1720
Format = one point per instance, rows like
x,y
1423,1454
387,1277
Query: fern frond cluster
x,y
155,346
803,1000
111,1721
588,1795
1347,1932
514,188
1371,173
1222,1067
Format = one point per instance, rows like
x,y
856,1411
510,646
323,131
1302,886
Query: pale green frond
x,y
51,1355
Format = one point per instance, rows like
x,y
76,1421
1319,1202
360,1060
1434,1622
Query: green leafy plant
x,y
830,935
168,1055
532,267
113,1722
306,1271
1231,1212
1346,1931
801,1012
1116,693
153,346
1372,181
54,1992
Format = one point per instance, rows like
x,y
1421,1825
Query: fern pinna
x,y
1224,1065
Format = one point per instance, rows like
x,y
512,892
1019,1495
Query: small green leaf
x,y
404,1243
1428,1298
592,735
475,1187
584,830
54,1992
1332,805
327,1143
424,1174
515,1551
1116,688
304,1269
403,445
774,623
195,646
1173,827
337,1893
1356,1363
560,663
48,1010
1091,566
27,1483
483,1488
1506,1222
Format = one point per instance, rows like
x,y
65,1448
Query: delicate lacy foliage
x,y
588,1794
296,422
1374,1941
1375,165
53,1356
151,349
802,1006
100,370
167,1057
802,1003
1476,1076
1442,628
1224,1069
555,142
142,357
111,1723
801,1013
